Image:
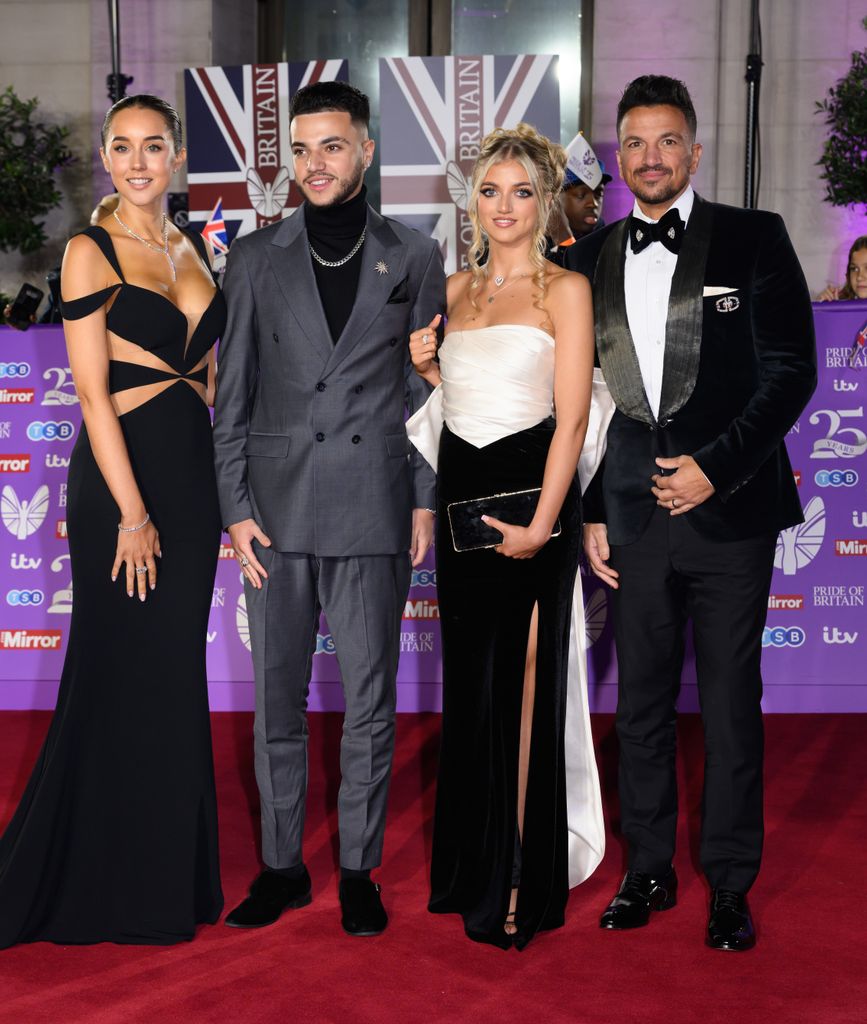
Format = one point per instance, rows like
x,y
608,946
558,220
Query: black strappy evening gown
x,y
115,838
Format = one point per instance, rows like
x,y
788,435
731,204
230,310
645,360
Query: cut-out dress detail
x,y
115,838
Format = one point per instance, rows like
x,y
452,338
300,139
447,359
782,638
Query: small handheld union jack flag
x,y
215,230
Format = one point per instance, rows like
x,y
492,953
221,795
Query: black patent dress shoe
x,y
270,895
730,924
361,908
638,896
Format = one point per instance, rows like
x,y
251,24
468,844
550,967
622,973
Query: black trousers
x,y
669,575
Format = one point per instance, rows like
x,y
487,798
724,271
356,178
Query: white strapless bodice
x,y
496,381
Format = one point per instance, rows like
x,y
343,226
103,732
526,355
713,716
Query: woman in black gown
x,y
115,838
518,815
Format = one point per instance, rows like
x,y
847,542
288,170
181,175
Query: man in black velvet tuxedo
x,y
704,333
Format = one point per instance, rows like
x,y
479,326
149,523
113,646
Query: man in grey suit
x,y
326,506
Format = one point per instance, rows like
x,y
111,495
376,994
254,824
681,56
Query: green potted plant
x,y
844,158
30,154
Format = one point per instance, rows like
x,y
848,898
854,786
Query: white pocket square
x,y
714,289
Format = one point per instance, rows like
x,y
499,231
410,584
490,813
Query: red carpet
x,y
809,966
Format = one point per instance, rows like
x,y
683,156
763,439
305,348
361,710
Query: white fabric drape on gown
x,y
496,381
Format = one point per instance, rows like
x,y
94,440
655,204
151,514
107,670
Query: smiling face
x,y
657,156
508,203
139,155
856,274
331,154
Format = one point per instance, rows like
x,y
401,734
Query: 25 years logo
x,y
830,446
63,392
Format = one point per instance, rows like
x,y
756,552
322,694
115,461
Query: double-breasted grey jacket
x,y
309,435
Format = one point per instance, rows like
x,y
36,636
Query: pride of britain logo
x,y
595,615
22,517
799,545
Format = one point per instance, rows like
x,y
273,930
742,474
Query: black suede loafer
x,y
361,908
730,924
270,895
638,896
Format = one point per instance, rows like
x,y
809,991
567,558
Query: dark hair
x,y
847,291
147,102
657,91
324,96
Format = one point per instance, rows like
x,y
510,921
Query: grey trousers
x,y
363,599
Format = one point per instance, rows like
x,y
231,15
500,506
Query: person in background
x,y
577,211
855,286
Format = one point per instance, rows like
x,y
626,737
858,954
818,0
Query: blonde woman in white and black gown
x,y
518,812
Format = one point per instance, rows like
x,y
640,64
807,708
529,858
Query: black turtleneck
x,y
333,231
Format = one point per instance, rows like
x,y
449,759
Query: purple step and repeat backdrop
x,y
815,641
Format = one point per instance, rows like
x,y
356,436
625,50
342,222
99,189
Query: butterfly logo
x,y
268,198
595,616
458,185
799,545
21,518
242,623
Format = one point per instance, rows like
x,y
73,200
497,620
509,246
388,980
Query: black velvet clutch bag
x,y
517,508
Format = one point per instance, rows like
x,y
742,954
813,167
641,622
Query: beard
x,y
661,192
345,188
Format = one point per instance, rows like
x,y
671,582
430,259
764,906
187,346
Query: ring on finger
x,y
140,569
425,338
674,502
244,561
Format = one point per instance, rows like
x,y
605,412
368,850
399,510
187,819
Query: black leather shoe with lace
x,y
270,895
639,895
730,924
361,908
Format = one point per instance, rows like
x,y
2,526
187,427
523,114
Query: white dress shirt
x,y
647,284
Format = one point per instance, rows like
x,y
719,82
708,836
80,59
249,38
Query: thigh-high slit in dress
x,y
494,407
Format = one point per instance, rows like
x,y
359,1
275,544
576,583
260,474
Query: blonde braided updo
x,y
544,162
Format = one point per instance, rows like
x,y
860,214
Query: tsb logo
x,y
325,644
50,430
836,478
14,369
783,636
424,578
25,598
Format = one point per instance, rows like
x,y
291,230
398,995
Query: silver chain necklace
x,y
346,258
163,250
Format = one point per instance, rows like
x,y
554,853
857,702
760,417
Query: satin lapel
x,y
382,260
290,260
614,343
684,324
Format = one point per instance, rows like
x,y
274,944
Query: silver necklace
x,y
346,258
498,281
163,250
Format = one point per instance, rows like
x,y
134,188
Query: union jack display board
x,y
434,113
238,140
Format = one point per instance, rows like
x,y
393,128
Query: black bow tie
x,y
668,230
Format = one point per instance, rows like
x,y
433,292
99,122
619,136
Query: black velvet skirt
x,y
486,602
